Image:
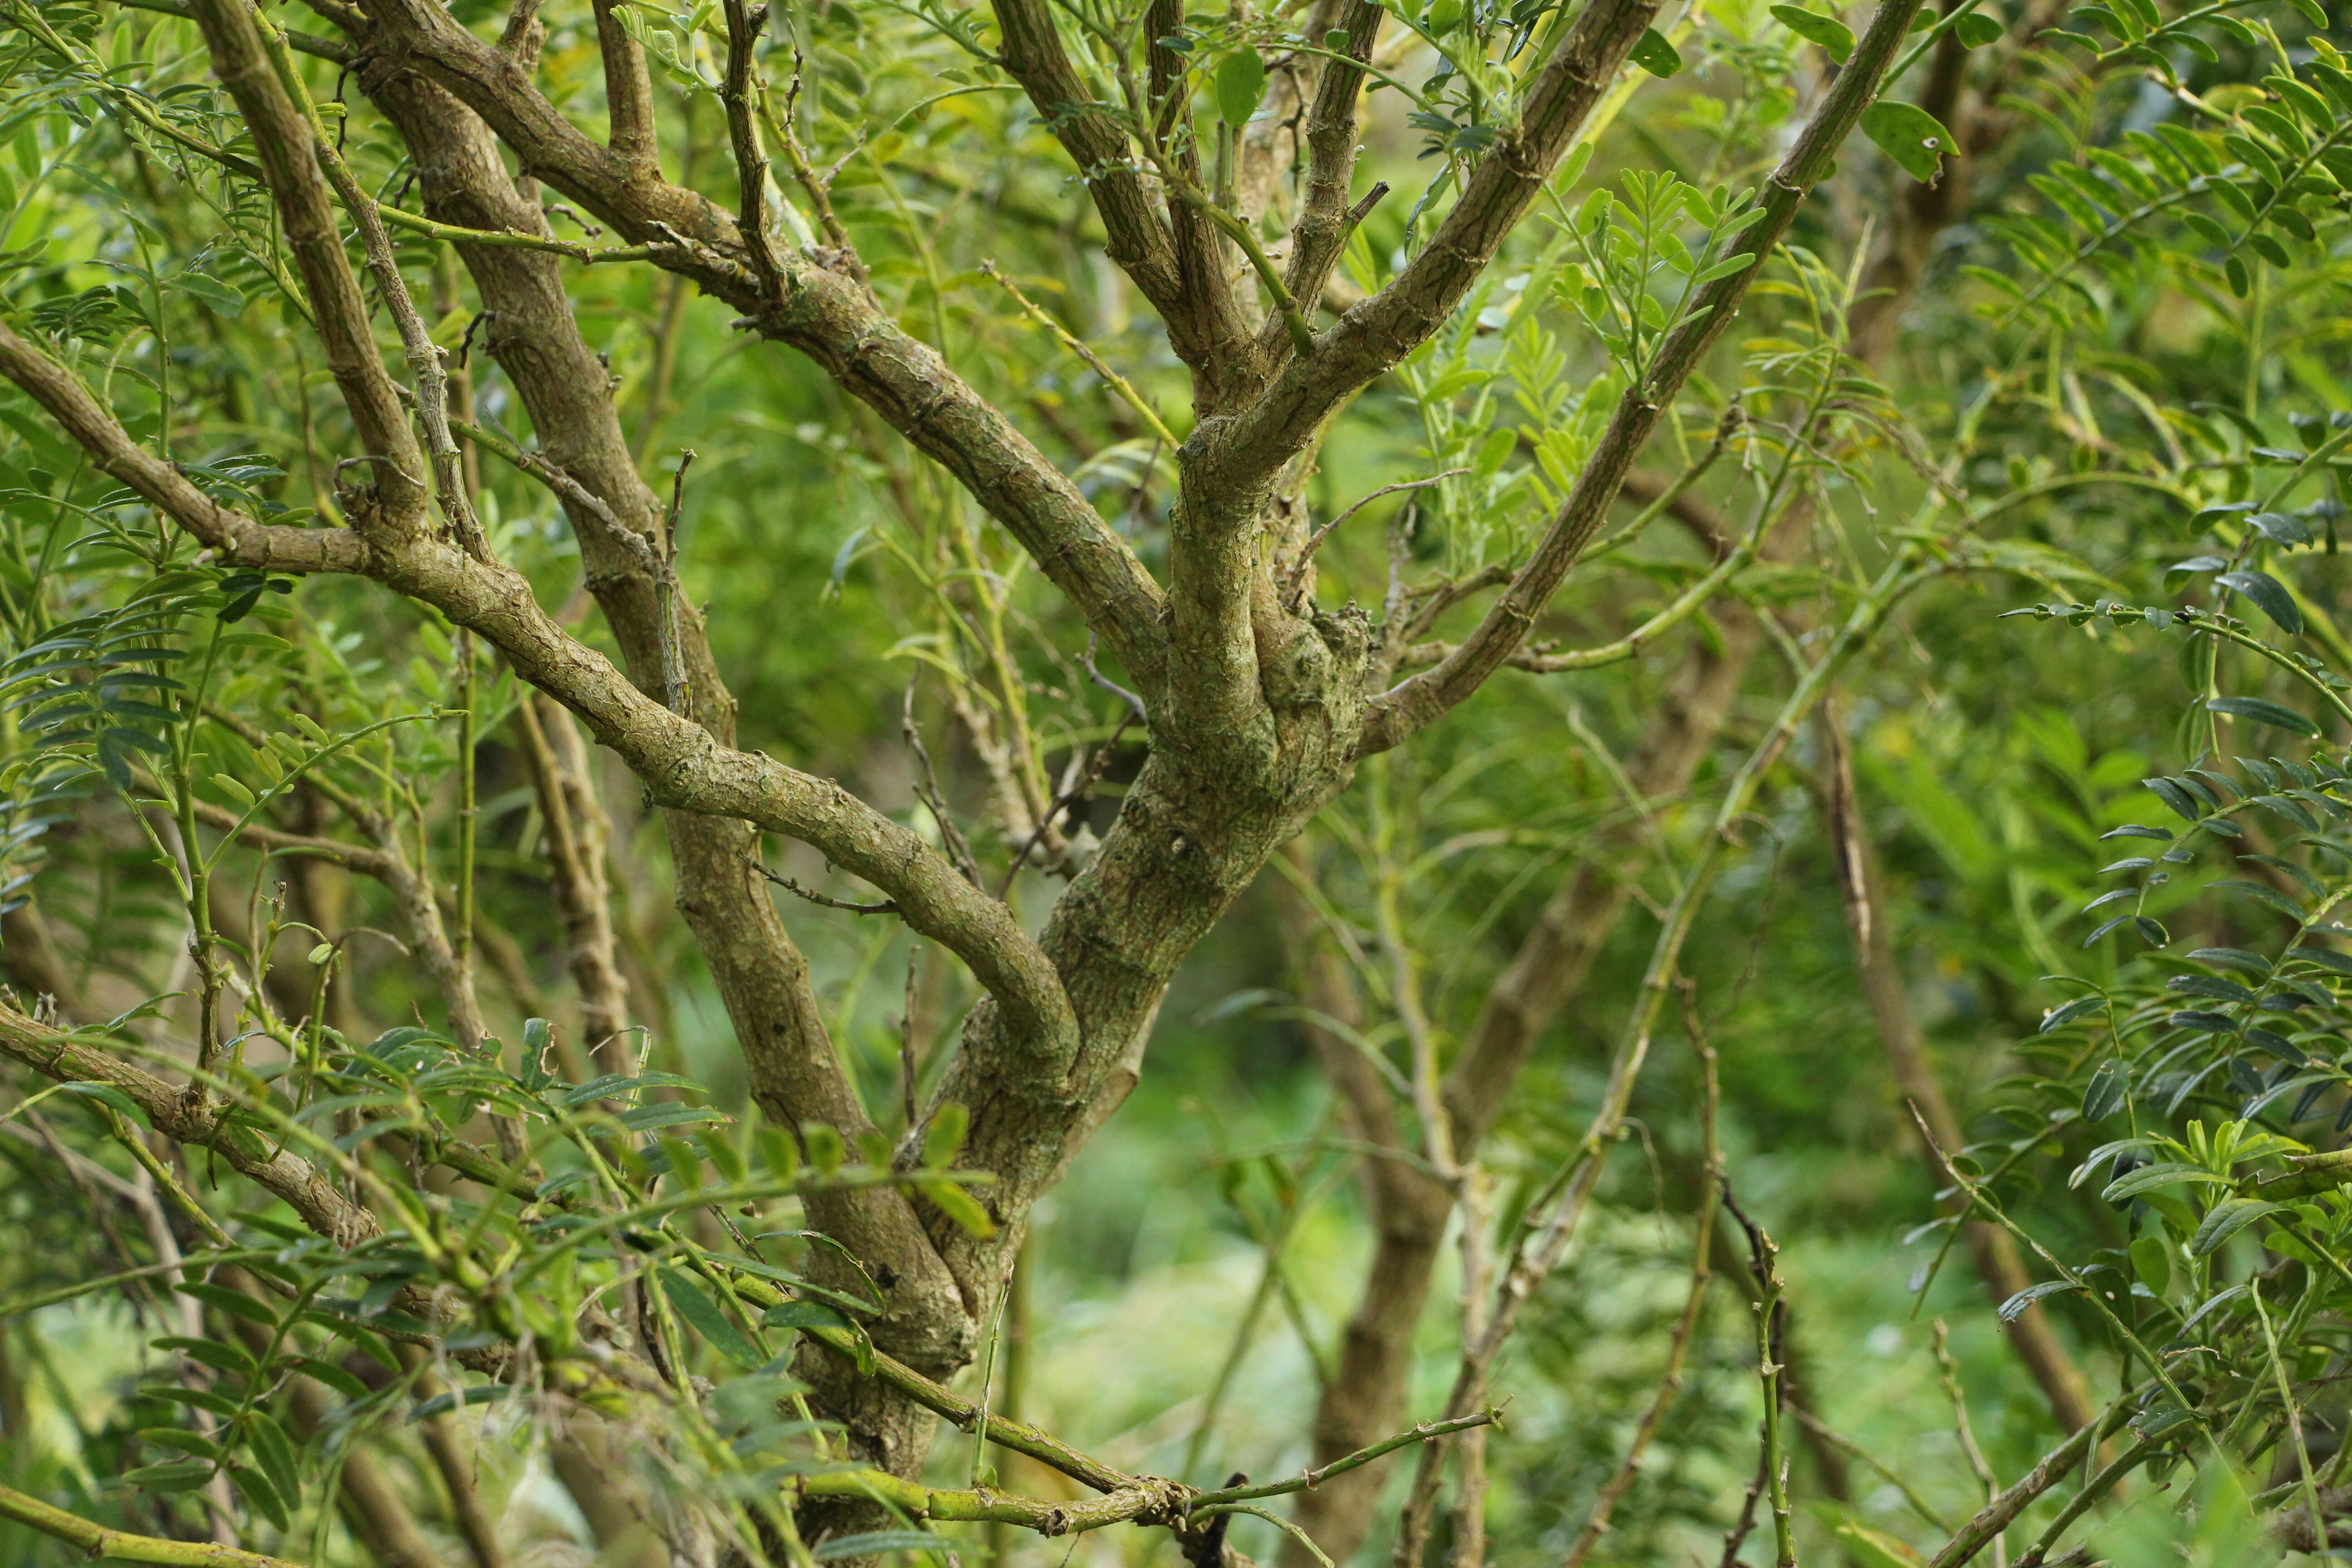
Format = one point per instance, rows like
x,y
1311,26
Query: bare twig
x,y
1702,1248
1085,351
1065,801
927,789
1771,1324
815,897
1295,586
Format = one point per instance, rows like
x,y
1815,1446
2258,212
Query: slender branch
x,y
292,155
2097,1486
815,897
739,90
1996,1515
1085,351
1294,589
1405,710
1670,1385
591,255
97,1541
1307,1481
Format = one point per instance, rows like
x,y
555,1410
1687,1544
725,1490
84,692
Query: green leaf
x,y
1976,30
202,1398
2182,803
217,297
650,1118
1907,133
1725,268
2165,1173
2151,1258
2265,591
1241,83
2263,712
703,1314
216,1354
440,1404
256,1491
2229,1218
276,1453
2059,1017
179,1476
2110,1087
2015,1306
106,1094
1833,34
180,1441
2262,892
235,1303
806,1315
944,1137
333,1376
1654,54
960,1207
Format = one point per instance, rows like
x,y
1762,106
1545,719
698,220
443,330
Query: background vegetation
x,y
2091,365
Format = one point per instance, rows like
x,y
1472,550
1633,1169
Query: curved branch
x,y
826,314
1405,710
681,763
1380,331
73,1058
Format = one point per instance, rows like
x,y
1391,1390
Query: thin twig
x,y
1952,1389
1771,1326
1079,346
675,696
815,897
1294,589
1702,1249
739,90
927,789
1134,703
1063,802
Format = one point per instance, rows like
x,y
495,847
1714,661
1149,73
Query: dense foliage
x,y
1698,704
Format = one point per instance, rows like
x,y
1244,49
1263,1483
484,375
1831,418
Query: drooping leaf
x,y
1241,84
2151,1258
2261,892
2081,1006
2164,1174
1832,35
702,1314
2269,595
2263,712
1976,30
2014,1308
2227,1219
1907,133
1655,54
2110,1087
